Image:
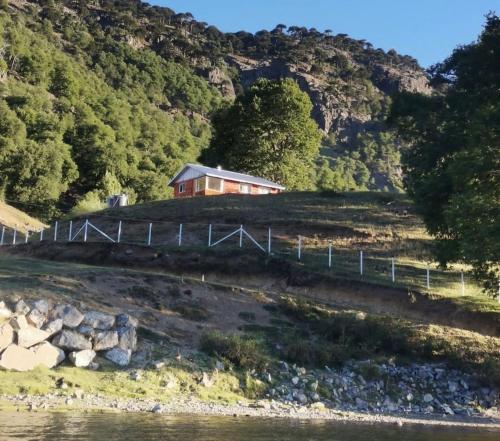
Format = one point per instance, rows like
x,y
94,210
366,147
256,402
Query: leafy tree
x,y
268,132
453,164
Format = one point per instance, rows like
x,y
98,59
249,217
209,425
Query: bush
x,y
245,353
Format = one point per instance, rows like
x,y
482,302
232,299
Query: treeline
x,y
82,115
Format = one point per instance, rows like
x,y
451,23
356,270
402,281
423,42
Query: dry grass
x,y
13,218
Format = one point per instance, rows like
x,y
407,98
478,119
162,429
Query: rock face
x,y
99,320
127,338
48,355
71,341
16,358
54,326
105,340
5,312
6,336
70,316
82,358
30,336
119,356
36,318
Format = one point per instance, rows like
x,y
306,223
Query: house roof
x,y
201,170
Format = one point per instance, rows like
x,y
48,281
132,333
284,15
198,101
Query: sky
x,y
428,30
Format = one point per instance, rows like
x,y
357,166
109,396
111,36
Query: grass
x,y
13,218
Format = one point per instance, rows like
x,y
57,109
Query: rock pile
x,y
46,334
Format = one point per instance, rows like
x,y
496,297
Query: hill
x,y
115,96
13,218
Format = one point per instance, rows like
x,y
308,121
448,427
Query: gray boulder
x,y
126,320
5,312
71,341
99,320
30,336
6,336
43,306
82,358
22,308
127,338
16,358
88,331
48,355
19,322
105,340
119,356
36,318
70,316
54,326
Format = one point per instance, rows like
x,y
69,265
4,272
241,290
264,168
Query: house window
x,y
263,190
245,188
200,184
182,188
215,184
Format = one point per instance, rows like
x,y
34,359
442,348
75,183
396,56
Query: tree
x,y
268,132
453,164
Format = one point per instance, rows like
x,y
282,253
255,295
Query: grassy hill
x,y
13,218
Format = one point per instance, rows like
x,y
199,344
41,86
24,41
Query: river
x,y
145,427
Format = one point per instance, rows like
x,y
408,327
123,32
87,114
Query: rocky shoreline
x,y
259,409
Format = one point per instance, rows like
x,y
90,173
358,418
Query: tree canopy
x,y
268,132
453,165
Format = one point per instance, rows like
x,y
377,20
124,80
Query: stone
x,y
36,318
428,398
127,338
157,408
301,398
71,341
206,381
6,336
119,356
94,366
43,306
447,409
295,381
48,355
17,358
30,336
22,308
86,330
19,322
70,316
5,312
82,358
125,320
54,326
99,320
136,376
105,340
409,397
219,365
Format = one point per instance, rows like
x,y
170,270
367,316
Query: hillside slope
x,y
13,218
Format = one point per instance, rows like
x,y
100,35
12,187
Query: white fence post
x,y
56,225
393,270
269,241
428,278
149,234
361,262
210,235
180,234
86,230
26,236
2,236
462,282
330,255
70,234
299,250
119,235
41,234
241,236
14,237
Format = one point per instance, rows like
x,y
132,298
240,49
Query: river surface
x,y
139,427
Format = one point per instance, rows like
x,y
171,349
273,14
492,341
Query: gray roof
x,y
225,174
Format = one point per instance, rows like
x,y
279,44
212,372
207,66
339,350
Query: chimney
x,y
219,167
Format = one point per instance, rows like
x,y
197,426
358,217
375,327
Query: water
x,y
138,427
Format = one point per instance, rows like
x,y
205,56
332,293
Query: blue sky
x,y
425,29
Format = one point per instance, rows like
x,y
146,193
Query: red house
x,y
198,180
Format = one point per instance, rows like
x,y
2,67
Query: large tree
x,y
453,165
268,132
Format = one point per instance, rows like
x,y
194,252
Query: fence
x,y
365,265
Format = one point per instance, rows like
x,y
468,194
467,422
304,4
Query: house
x,y
198,180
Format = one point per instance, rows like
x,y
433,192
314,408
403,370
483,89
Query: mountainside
x,y
11,217
106,96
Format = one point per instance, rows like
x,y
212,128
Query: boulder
x,y
119,356
70,316
16,358
19,322
127,338
54,326
125,320
99,320
22,308
6,336
88,331
105,340
36,318
428,398
82,358
5,312
48,355
71,341
43,306
30,336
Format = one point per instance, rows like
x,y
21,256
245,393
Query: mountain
x,y
105,96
